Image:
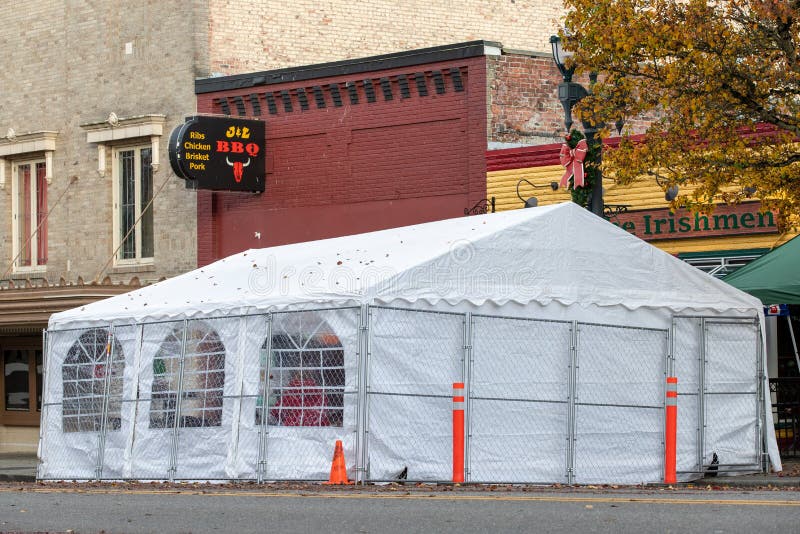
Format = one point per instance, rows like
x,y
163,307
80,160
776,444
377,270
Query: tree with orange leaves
x,y
721,81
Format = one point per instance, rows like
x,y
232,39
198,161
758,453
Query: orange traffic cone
x,y
338,468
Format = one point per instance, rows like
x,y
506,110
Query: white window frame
x,y
21,149
16,231
124,133
116,192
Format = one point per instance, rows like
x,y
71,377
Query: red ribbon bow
x,y
572,160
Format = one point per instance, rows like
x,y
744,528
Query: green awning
x,y
774,277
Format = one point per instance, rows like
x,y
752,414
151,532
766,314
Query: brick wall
x,y
523,100
65,64
524,106
253,35
403,158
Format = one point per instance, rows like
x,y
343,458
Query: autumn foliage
x,y
721,82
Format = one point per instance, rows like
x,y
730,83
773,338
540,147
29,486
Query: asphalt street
x,y
35,508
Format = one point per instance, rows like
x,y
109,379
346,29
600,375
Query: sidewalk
x,y
21,467
18,466
788,477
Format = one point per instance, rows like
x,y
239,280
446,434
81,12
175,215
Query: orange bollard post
x,y
338,467
458,432
671,434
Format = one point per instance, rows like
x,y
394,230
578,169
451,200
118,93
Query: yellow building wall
x,y
19,439
640,195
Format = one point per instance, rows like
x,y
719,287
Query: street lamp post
x,y
569,94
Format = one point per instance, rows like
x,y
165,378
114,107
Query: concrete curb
x,y
748,482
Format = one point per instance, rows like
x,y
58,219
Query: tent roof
x,y
559,253
774,277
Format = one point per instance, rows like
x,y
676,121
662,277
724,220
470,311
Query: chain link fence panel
x,y
208,392
732,404
120,407
152,453
687,350
415,357
519,384
253,330
309,370
619,404
265,397
75,400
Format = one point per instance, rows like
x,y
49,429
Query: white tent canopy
x,y
558,253
508,303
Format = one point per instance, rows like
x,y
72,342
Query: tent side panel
x,y
120,404
244,462
519,393
415,359
688,358
619,425
73,409
311,393
731,394
208,399
159,377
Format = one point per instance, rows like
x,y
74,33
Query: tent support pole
x,y
173,464
365,335
360,342
263,428
240,350
761,417
794,341
467,379
101,441
43,393
137,363
701,399
571,415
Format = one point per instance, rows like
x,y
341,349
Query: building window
x,y
133,143
306,374
29,207
21,367
87,385
31,157
133,192
202,383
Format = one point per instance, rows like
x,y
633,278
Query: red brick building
x,y
361,145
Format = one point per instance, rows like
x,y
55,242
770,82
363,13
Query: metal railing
x,y
786,414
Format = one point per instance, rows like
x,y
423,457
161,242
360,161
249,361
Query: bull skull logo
x,y
238,168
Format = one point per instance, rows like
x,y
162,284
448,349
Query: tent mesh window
x,y
306,374
84,381
201,385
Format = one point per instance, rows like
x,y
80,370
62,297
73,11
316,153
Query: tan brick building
x,y
91,92
254,35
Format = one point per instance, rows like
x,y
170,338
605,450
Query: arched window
x,y
203,378
84,376
306,373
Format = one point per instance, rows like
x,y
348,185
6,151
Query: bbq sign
x,y
219,153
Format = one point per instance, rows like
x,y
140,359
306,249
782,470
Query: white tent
x,y
562,326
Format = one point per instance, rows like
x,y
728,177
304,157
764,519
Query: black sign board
x,y
219,153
